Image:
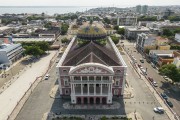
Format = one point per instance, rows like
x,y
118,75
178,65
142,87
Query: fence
x,y
26,95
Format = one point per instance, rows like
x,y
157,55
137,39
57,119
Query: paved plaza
x,y
11,96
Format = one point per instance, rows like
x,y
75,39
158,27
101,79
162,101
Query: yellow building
x,y
164,47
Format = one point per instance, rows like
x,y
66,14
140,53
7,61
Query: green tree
x,y
167,32
44,46
64,40
147,18
48,25
116,27
171,71
64,28
106,20
91,21
121,31
174,18
115,39
33,50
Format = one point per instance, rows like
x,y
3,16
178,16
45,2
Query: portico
x,y
94,84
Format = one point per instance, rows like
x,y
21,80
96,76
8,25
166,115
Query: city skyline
x,y
98,3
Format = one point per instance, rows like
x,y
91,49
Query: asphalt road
x,y
143,101
39,101
163,85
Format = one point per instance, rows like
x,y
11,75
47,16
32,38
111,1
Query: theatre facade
x,y
91,70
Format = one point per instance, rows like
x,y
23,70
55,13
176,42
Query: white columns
x,y
88,88
81,86
81,89
94,89
108,88
73,89
101,89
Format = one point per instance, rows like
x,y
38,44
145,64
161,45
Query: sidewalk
x,y
12,71
11,96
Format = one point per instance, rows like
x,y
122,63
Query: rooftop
x,y
91,52
162,51
8,47
32,39
138,29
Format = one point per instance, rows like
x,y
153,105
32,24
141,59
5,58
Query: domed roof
x,y
90,32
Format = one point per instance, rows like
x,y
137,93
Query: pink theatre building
x,y
91,73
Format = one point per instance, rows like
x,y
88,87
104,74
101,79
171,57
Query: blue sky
x,y
99,3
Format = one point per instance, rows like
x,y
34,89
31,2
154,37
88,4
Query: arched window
x,y
116,91
105,78
98,78
118,71
64,71
77,78
84,78
91,78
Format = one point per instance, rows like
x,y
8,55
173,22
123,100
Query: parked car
x,y
165,77
153,65
150,79
169,103
164,96
144,71
155,84
141,60
159,110
47,77
139,65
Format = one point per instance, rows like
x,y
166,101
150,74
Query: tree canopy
x,y
115,39
35,48
66,17
174,18
106,20
121,31
64,28
171,71
48,25
64,40
147,18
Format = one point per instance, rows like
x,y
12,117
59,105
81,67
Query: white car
x,y
141,67
155,84
165,77
46,77
159,110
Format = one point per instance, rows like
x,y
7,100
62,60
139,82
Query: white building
x,y
157,26
177,62
177,37
10,53
126,20
132,32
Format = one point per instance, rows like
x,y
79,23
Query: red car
x,y
139,65
150,79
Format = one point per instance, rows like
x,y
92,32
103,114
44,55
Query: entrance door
x,y
78,100
104,100
91,100
97,100
85,100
